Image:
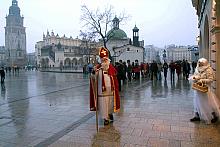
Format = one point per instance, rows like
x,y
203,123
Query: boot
x,y
106,122
215,118
111,117
195,118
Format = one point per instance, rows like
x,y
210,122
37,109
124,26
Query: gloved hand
x,y
204,81
196,78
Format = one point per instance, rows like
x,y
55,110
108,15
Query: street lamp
x,y
198,39
197,52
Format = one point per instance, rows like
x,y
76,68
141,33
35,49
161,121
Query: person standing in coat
x,y
206,105
104,88
178,69
172,67
2,73
165,70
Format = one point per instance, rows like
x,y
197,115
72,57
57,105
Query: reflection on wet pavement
x,y
41,109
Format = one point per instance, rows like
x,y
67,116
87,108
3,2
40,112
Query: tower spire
x,y
14,3
115,23
135,36
14,9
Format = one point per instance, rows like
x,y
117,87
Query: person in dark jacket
x,y
120,73
172,69
178,69
2,73
194,64
154,70
165,69
188,69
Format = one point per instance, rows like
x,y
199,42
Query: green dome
x,y
115,34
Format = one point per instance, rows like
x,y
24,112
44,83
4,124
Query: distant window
x,y
137,50
128,49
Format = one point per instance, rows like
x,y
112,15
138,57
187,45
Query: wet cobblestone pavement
x,y
52,109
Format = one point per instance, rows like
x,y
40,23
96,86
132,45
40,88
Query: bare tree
x,y
88,38
98,22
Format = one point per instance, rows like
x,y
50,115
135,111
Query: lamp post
x,y
164,54
198,43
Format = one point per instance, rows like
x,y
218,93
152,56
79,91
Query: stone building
x,y
129,52
208,12
64,52
15,37
150,53
31,59
178,53
123,48
2,56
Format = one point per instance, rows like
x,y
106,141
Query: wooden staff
x,y
95,91
96,97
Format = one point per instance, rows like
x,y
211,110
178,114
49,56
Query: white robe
x,y
105,99
205,103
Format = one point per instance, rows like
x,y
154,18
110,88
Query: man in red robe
x,y
104,88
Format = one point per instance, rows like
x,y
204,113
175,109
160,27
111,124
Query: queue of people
x,y
127,71
154,70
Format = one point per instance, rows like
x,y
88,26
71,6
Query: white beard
x,y
105,66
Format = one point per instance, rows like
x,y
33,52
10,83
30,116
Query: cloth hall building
x,y
63,52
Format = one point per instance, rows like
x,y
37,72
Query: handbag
x,y
200,87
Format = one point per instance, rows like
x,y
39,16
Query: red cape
x,y
94,89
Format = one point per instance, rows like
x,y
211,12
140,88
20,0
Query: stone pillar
x,y
217,37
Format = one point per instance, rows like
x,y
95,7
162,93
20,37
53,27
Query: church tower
x,y
136,36
115,22
15,37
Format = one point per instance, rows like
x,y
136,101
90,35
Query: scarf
x,y
201,69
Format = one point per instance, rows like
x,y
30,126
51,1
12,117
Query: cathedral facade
x,y
15,37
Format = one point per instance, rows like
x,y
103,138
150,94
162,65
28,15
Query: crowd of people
x,y
127,71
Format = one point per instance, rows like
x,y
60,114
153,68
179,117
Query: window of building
x,y
137,50
128,49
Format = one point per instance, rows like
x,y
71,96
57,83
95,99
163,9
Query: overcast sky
x,y
160,22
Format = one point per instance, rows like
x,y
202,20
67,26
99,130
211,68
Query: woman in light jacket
x,y
206,105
